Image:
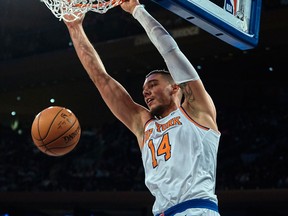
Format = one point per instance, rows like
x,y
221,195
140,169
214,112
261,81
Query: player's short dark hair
x,y
163,71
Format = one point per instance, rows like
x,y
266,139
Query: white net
x,y
75,8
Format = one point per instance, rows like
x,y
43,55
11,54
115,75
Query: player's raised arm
x,y
115,96
197,101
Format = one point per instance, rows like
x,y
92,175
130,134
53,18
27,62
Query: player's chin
x,y
152,107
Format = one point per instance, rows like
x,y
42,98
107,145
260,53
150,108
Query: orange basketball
x,y
56,131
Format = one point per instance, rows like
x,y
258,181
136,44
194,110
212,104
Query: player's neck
x,y
166,112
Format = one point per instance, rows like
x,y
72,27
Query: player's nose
x,y
146,93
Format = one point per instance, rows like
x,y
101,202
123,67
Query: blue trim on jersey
x,y
194,203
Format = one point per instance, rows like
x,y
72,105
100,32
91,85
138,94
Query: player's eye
x,y
153,84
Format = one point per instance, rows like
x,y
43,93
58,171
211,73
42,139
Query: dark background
x,y
37,63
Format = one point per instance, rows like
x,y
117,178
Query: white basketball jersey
x,y
179,158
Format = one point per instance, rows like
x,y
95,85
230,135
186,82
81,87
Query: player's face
x,y
157,92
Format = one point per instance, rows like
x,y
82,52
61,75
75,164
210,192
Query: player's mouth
x,y
149,101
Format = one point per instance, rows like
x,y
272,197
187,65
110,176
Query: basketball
x,y
55,131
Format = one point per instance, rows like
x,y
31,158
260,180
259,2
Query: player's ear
x,y
175,87
178,92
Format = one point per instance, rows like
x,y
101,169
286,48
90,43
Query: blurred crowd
x,y
252,155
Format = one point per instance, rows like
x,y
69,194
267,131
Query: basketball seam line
x,y
60,135
50,125
49,150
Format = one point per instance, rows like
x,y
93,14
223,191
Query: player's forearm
x,y
155,31
87,54
112,92
178,65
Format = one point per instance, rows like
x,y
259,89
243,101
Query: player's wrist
x,y
74,26
136,7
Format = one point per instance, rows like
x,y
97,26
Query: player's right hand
x,y
70,20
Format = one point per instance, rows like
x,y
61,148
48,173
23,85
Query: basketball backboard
x,y
236,22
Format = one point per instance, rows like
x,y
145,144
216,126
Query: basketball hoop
x,y
76,8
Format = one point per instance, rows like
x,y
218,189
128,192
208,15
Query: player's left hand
x,y
129,5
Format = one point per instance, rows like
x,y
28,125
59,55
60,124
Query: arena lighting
x,y
52,100
20,132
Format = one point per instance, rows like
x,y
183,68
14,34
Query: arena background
x,y
104,175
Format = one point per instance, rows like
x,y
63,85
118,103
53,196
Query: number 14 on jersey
x,y
163,150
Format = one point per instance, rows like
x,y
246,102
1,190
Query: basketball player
x,y
178,142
